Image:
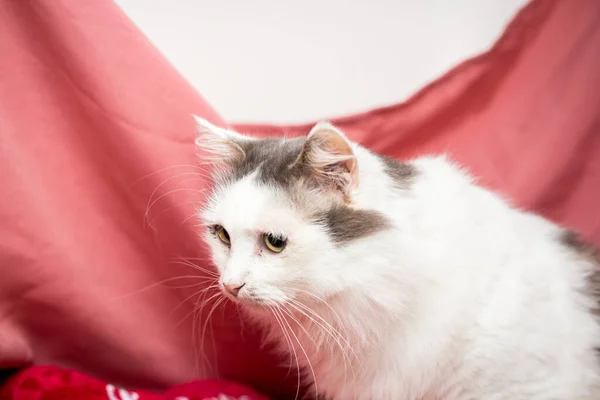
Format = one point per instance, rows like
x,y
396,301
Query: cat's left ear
x,y
221,144
329,155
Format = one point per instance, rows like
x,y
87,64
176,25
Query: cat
x,y
395,280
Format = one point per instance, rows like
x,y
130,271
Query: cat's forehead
x,y
248,205
270,176
273,161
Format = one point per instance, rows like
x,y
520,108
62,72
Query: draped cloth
x,y
100,178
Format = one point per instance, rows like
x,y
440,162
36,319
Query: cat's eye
x,y
222,234
274,243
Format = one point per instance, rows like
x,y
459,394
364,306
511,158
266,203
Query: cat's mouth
x,y
250,301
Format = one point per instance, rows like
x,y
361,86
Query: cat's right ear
x,y
221,145
329,155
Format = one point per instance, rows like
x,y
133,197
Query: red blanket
x,y
52,383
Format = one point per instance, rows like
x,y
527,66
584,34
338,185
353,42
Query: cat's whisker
x,y
330,330
209,160
204,263
205,260
198,313
288,341
174,190
150,205
216,304
197,176
280,321
191,258
214,345
169,179
321,328
202,274
218,298
324,302
353,358
197,293
166,210
204,279
195,339
186,219
165,169
197,318
203,224
186,316
238,313
322,320
160,283
289,314
195,267
308,335
314,376
190,264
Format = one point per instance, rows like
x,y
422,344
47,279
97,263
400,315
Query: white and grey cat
x,y
400,280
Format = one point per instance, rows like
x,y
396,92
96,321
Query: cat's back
x,y
529,288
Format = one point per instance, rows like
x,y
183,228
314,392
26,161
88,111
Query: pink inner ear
x,y
336,144
331,154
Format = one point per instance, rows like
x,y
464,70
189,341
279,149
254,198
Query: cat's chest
x,y
328,360
341,365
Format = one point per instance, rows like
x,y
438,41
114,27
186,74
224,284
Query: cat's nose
x,y
233,288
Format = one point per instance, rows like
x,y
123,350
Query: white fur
x,y
465,298
219,143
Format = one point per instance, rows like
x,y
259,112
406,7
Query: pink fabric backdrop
x,y
95,127
88,110
524,116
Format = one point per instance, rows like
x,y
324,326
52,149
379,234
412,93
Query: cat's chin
x,y
256,305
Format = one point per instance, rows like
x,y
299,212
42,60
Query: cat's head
x,y
281,213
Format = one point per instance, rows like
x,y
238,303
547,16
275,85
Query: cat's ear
x,y
330,157
222,145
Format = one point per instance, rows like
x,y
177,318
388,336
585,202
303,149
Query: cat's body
x,y
402,281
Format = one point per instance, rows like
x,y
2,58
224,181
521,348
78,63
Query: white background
x,y
295,61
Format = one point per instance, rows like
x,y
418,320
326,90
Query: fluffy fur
x,y
401,281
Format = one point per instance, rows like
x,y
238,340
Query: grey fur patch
x,y
402,173
346,224
273,159
275,162
590,253
587,250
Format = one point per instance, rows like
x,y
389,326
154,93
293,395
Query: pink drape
x,y
95,130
